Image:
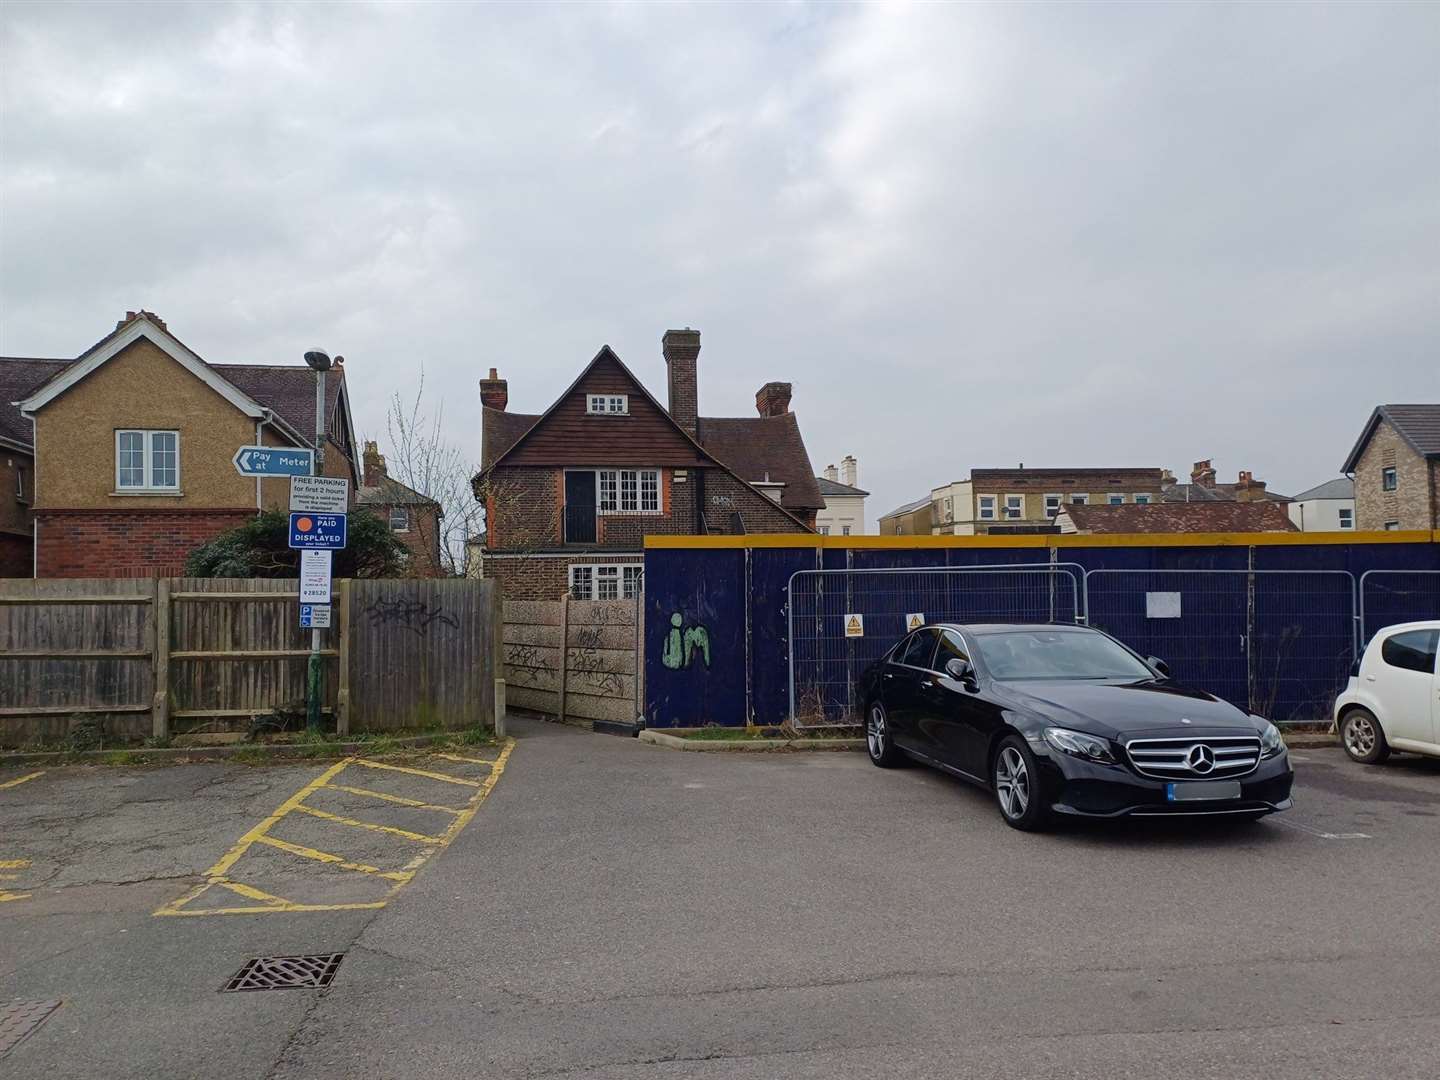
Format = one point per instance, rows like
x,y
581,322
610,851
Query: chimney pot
x,y
1203,474
681,349
849,471
494,391
773,399
832,474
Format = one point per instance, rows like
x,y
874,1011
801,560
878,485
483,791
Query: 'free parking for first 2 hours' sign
x,y
317,531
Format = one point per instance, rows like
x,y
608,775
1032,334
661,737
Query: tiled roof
x,y
391,492
1195,517
1198,493
1418,425
18,377
834,487
289,390
752,447
908,508
1341,487
759,448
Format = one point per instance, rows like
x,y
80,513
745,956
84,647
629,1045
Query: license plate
x,y
1203,791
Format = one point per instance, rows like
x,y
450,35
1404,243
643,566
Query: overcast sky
x,y
970,236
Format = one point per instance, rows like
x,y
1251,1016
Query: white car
x,y
1393,700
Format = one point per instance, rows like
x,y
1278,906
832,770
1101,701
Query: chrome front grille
x,y
1220,758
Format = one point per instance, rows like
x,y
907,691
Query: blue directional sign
x,y
273,461
317,531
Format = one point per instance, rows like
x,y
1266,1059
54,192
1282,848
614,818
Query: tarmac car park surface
x,y
620,910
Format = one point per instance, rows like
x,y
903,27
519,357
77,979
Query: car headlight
x,y
1271,742
1079,744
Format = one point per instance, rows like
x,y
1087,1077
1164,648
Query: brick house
x,y
133,442
571,493
17,464
1205,486
1396,467
1221,516
412,517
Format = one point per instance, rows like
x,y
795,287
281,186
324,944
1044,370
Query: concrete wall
x,y
1321,515
599,680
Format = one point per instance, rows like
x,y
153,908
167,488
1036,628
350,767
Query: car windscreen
x,y
1051,654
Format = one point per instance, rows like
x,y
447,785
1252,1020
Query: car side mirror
x,y
960,670
1159,665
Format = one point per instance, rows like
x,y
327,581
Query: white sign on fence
x,y
315,576
1162,605
914,621
320,494
854,625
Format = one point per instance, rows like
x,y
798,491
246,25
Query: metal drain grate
x,y
20,1018
286,972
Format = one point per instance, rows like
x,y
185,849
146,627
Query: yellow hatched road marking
x,y
217,875
5,897
467,760
325,815
21,779
334,860
252,893
396,799
418,772
14,864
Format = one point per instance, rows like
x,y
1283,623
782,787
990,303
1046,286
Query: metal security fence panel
x,y
1277,642
1388,597
841,621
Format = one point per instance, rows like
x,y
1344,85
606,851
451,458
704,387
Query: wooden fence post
x,y
497,627
342,677
160,631
564,649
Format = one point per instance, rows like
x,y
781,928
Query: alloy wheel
x,y
1359,735
875,732
1012,783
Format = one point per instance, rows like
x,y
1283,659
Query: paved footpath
x,y
625,911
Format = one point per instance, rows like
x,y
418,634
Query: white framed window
x,y
1079,499
1347,517
147,460
987,507
1014,507
1142,500
1052,505
844,530
1115,498
628,491
607,404
1392,526
824,530
605,581
1389,479
399,519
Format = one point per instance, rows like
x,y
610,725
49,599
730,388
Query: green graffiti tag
x,y
680,646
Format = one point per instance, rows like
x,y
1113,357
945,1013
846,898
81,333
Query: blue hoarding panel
x,y
694,637
317,531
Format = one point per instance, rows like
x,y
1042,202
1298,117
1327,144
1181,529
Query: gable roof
x,y
1200,493
908,508
748,448
1196,517
20,376
284,395
1340,488
1418,425
834,487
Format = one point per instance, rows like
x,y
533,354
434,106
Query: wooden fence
x,y
600,678
179,656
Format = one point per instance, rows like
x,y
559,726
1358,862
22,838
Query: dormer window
x,y
607,404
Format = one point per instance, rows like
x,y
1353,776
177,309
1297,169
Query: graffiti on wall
x,y
415,616
683,642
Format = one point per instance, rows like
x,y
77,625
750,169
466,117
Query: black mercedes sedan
x,y
1065,720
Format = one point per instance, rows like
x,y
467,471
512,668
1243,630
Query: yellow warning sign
x,y
914,621
854,625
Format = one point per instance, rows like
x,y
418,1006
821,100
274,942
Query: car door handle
x,y
927,684
1369,678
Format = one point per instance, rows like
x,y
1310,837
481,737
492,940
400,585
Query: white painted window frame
x,y
1346,517
403,510
1079,498
981,508
607,404
1052,511
624,576
1144,499
147,457
1115,498
1019,509
639,490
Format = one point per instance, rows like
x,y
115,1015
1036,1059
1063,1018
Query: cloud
x,y
970,235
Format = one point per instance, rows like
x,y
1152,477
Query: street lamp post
x,y
319,361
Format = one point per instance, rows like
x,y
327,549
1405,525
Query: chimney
x,y
1167,478
374,462
682,349
849,471
773,399
1248,489
1202,474
832,474
494,391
